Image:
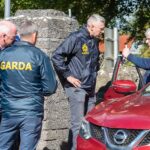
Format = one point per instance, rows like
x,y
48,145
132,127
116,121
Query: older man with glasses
x,y
8,33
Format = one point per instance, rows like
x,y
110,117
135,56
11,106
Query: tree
x,y
1,8
137,19
116,12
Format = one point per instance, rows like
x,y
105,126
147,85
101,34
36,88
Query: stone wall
x,y
54,26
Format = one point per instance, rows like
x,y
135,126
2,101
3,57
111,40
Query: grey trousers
x,y
80,103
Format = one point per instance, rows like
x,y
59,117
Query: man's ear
x,y
90,29
34,37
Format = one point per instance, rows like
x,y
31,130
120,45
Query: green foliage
x,y
80,9
112,10
140,20
145,51
1,8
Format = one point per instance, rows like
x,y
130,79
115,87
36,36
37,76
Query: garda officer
x,y
27,76
76,62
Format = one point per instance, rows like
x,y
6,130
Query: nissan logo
x,y
120,136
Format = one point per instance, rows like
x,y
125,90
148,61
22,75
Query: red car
x,y
122,120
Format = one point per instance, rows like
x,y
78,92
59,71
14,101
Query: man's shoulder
x,y
26,46
77,33
38,51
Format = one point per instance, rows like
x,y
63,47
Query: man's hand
x,y
74,81
125,51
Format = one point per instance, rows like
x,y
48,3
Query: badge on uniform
x,y
85,50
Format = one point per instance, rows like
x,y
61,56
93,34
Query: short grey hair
x,y
95,18
7,26
147,32
4,29
27,28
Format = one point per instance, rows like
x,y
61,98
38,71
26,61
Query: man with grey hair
x,y
8,32
26,77
76,62
140,62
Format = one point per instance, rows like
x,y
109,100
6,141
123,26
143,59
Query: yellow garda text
x,y
15,65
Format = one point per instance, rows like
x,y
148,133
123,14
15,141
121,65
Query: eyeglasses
x,y
101,29
11,37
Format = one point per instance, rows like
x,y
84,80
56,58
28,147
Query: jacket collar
x,y
1,48
85,32
18,43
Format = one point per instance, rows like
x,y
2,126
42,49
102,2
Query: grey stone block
x,y
40,12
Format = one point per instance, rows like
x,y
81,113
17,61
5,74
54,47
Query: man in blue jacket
x,y
76,61
26,77
140,62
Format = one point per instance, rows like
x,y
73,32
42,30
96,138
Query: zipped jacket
x,y
78,56
26,77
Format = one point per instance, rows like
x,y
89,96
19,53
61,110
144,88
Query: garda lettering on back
x,y
15,65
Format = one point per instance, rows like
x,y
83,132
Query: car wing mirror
x,y
124,86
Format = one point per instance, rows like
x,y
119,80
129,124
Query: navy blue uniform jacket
x,y
26,77
78,56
